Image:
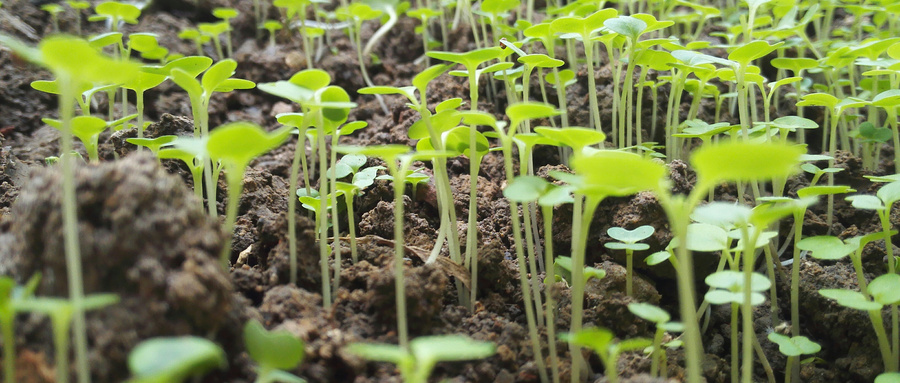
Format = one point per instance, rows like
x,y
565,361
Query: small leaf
x,y
826,247
173,359
742,161
885,289
796,346
272,349
649,312
851,299
889,193
630,236
865,202
448,348
627,26
379,352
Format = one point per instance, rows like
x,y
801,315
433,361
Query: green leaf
x,y
386,152
238,143
794,122
649,312
794,64
540,61
657,258
573,137
796,346
187,82
525,111
525,188
706,238
217,73
631,236
888,377
865,202
627,26
742,161
272,349
889,193
564,77
851,299
380,352
119,11
826,247
613,173
449,348
733,280
160,360
225,13
885,289
819,99
597,339
144,81
458,140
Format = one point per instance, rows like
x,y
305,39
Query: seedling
x,y
60,312
174,359
663,322
418,360
115,13
362,179
273,26
216,79
139,84
793,347
148,45
195,36
193,156
274,351
628,241
413,177
153,143
423,15
236,144
226,14
11,296
54,10
78,6
883,291
530,188
583,28
601,341
889,101
86,128
72,61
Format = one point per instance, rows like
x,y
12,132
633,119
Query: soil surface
x,y
145,237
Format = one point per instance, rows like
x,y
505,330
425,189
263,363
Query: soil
x,y
145,237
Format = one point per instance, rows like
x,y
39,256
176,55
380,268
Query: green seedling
x,y
562,267
883,291
793,347
392,154
889,101
423,15
174,359
601,341
273,26
414,177
148,45
583,28
196,37
359,13
602,174
87,129
663,322
154,144
226,14
888,377
54,10
72,61
60,312
418,360
632,28
214,31
728,288
11,296
517,113
115,13
392,9
275,352
871,138
193,156
530,188
628,241
362,179
139,84
658,61
78,6
236,144
881,203
216,79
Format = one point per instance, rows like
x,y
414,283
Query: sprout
x,y
793,347
272,26
274,351
628,241
236,144
601,341
153,143
115,13
663,323
173,359
417,361
11,297
226,14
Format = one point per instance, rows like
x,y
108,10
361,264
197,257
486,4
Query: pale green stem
x,y
322,230
351,226
7,325
235,178
334,215
299,151
547,213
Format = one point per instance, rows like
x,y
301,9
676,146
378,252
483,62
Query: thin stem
x,y
334,214
235,177
351,226
399,282
322,230
299,151
547,214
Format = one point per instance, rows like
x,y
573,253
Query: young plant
x,y
154,144
60,312
235,145
601,341
362,179
193,155
275,352
174,359
418,360
216,79
11,296
392,154
226,14
526,189
628,241
273,26
78,6
663,322
793,347
87,129
54,10
583,28
141,83
72,61
214,31
883,291
115,13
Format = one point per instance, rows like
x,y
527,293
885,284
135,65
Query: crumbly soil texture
x,y
146,237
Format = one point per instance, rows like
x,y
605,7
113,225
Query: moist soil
x,y
145,236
